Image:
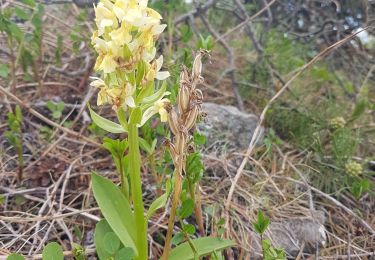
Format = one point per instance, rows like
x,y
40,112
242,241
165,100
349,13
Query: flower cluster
x,y
125,43
337,122
353,168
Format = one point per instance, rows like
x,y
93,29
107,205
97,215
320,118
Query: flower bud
x,y
183,98
191,118
173,121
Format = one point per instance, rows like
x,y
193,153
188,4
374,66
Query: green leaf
x,y
53,251
21,13
157,204
111,242
4,71
15,256
177,238
144,145
106,124
359,109
189,229
186,208
262,223
121,116
125,253
78,251
116,209
156,96
101,229
203,245
29,2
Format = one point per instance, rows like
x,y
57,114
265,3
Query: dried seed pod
x,y
197,67
181,141
191,117
184,76
183,98
198,95
173,121
172,149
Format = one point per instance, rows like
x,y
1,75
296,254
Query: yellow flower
x,y
155,72
104,18
158,107
108,65
103,97
121,35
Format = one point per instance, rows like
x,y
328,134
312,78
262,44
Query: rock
x,y
226,126
293,235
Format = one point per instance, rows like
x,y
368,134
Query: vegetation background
x,y
306,68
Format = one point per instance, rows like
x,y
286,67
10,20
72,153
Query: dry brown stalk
x,y
181,121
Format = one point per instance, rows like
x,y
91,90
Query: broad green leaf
x,y
125,253
116,209
111,242
21,13
106,124
15,256
203,245
4,71
101,229
53,251
157,204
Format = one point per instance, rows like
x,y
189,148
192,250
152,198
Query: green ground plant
x,y
25,47
14,137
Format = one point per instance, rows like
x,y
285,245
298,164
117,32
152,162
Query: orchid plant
x,y
133,83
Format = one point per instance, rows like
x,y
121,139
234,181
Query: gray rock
x,y
226,126
293,235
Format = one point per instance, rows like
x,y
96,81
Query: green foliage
x,y
78,252
203,246
106,124
116,210
56,109
53,251
271,253
186,208
262,223
15,256
14,136
205,43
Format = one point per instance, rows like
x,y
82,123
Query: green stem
x,y
136,192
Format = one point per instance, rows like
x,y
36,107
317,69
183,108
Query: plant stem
x,y
136,192
175,200
194,190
